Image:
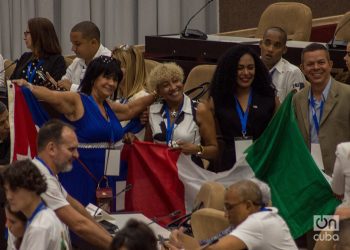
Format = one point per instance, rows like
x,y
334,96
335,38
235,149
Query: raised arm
x,y
130,110
66,103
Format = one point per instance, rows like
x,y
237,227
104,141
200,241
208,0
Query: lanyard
x,y
40,207
31,74
243,116
170,127
46,166
314,113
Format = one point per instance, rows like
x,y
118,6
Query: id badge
x,y
241,144
317,155
112,160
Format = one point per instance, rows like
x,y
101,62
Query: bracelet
x,y
201,149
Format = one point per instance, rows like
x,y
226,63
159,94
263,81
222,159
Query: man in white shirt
x,y
85,39
57,148
285,76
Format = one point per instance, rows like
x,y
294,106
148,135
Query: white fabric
x,y
11,241
55,196
265,230
286,77
186,131
2,74
341,172
44,232
120,21
76,71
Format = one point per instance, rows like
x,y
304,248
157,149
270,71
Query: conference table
x,y
191,52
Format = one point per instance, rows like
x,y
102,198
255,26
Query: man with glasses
x,y
255,226
285,76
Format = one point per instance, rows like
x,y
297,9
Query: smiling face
x,y
317,67
104,87
245,71
171,91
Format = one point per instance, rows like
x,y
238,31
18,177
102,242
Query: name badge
x,y
241,144
112,162
317,155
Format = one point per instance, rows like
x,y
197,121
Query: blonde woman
x,y
178,121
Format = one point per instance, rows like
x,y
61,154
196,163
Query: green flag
x,y
281,158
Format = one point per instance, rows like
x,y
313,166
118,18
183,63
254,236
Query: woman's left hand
x,y
187,148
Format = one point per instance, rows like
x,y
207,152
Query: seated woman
x,y
135,235
23,185
133,84
341,172
176,120
243,100
16,224
97,122
45,56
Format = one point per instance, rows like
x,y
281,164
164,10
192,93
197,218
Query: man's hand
x,y
66,84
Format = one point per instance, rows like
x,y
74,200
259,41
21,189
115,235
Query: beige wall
x,y
241,14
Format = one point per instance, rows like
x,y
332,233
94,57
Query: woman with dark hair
x,y
23,186
136,235
45,56
97,122
243,100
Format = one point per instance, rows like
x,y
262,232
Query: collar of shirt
x,y
325,92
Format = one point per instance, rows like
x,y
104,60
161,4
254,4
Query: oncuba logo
x,y
327,225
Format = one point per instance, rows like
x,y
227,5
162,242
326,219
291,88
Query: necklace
x,y
173,113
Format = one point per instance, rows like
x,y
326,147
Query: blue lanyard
x,y
243,116
170,127
31,74
46,166
314,113
40,207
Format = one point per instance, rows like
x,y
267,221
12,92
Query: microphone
x,y
14,62
195,34
183,219
333,44
171,215
126,189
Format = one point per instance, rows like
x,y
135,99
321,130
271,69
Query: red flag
x,y
157,190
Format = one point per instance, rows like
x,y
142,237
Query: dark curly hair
x,y
136,235
106,66
224,83
24,174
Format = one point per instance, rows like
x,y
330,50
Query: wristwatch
x,y
201,149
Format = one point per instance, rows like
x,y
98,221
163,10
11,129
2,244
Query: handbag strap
x,y
87,170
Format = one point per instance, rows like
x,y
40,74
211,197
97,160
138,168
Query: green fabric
x,y
281,158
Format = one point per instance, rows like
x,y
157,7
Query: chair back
x,y
343,28
8,71
150,64
198,81
211,194
294,18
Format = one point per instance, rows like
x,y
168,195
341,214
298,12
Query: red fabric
x,y
25,132
157,190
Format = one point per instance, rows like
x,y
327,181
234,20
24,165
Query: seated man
x,y
256,226
85,39
285,76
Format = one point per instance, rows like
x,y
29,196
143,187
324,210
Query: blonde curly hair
x,y
164,72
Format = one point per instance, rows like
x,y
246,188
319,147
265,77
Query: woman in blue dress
x,y
97,122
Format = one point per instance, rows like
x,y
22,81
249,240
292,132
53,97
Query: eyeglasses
x,y
26,33
229,207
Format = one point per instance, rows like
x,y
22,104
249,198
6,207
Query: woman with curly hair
x,y
243,100
23,186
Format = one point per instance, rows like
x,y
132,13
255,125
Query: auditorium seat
x,y
208,222
8,71
197,76
295,18
68,60
211,194
150,64
343,28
